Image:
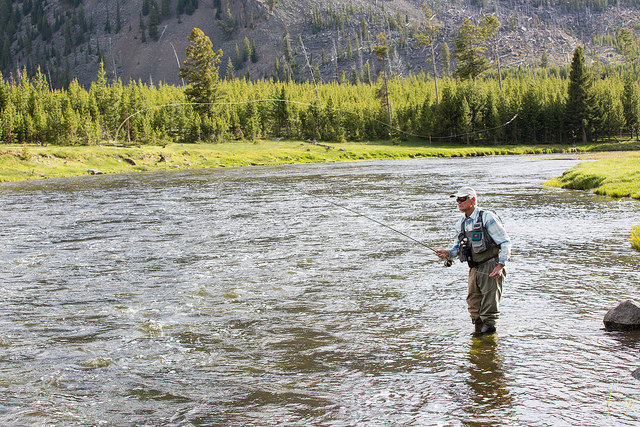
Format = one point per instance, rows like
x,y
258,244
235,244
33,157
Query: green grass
x,y
24,162
615,176
635,237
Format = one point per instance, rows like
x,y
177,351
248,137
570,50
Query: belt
x,y
473,264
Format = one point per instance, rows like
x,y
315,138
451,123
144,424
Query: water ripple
x,y
241,297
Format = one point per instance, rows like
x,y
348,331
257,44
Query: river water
x,y
241,297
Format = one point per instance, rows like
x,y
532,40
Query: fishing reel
x,y
448,262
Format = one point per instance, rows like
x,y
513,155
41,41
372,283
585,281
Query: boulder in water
x,y
624,317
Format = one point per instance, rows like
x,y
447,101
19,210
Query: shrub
x,y
635,237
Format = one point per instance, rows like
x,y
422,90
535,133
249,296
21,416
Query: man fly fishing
x,y
484,244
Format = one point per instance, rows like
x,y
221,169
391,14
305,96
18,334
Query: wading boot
x,y
478,325
487,328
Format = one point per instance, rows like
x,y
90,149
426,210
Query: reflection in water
x,y
489,392
627,339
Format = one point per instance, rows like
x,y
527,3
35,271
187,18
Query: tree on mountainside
x,y
166,9
445,58
470,46
201,72
254,52
154,20
366,74
382,53
229,74
107,24
143,29
428,38
246,49
228,24
580,98
628,44
272,4
490,27
118,18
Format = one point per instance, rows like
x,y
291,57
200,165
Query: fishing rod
x,y
448,261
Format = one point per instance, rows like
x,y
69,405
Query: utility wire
x,y
307,104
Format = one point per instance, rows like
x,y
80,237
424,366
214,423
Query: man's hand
x,y
497,272
442,253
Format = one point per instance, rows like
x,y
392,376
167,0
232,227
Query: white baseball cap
x,y
465,192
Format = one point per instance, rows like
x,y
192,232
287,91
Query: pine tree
x,y
382,53
277,70
628,42
229,73
143,28
5,58
251,122
631,106
445,58
364,29
107,25
281,114
465,124
287,49
366,74
228,23
609,116
146,7
333,130
580,98
238,62
428,38
544,60
201,72
490,26
246,49
254,52
317,76
153,23
342,79
272,4
166,9
469,52
353,77
118,19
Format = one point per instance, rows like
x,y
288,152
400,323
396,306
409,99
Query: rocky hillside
x,y
146,39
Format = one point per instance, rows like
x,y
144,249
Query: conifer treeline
x,y
468,112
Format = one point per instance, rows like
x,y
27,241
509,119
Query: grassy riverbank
x,y
28,162
616,175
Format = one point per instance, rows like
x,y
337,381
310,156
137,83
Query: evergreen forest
x,y
545,105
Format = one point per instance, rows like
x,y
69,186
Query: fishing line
x,y
448,261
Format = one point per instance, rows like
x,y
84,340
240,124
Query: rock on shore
x,y
624,317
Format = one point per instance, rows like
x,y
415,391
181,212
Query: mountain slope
x,y
146,40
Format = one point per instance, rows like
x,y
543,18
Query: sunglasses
x,y
462,199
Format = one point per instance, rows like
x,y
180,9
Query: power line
x,y
307,104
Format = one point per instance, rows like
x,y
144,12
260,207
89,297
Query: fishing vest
x,y
476,246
